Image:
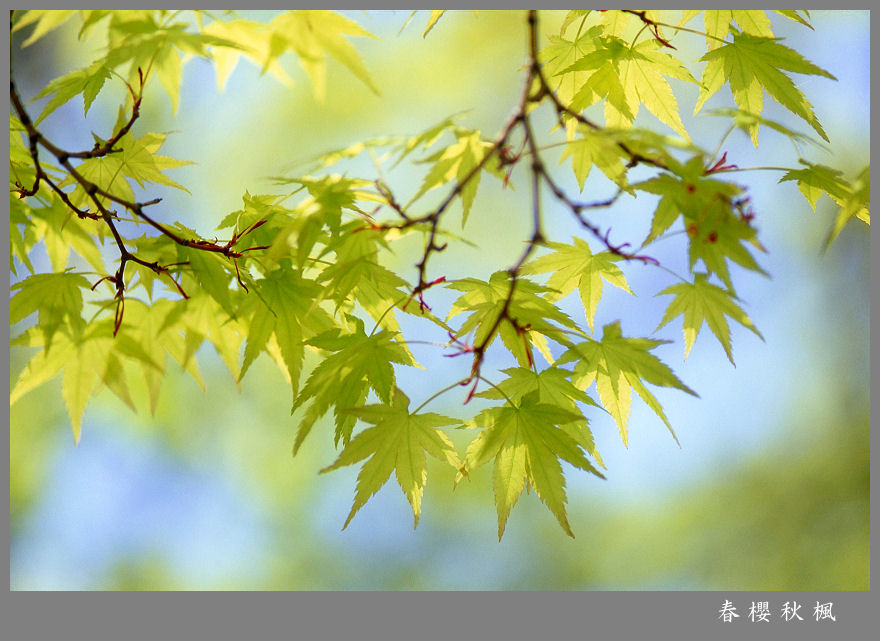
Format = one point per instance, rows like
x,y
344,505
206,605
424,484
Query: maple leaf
x,y
90,360
797,17
526,441
854,199
432,20
534,315
202,319
718,24
856,204
554,387
716,232
45,20
576,266
397,443
425,139
312,35
570,17
628,76
252,40
747,121
456,162
343,379
619,365
50,224
751,64
355,276
702,301
138,38
595,148
136,159
288,309
57,300
561,53
87,82
149,332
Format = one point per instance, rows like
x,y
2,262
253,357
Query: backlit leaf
x,y
527,442
702,301
618,365
530,312
752,64
342,380
397,443
575,265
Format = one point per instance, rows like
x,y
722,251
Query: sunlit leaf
x,y
751,65
397,443
702,301
526,441
576,265
618,365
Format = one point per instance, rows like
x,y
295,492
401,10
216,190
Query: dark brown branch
x,y
96,193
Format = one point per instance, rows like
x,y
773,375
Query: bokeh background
x,y
769,489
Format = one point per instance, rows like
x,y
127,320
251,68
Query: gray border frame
x,y
427,615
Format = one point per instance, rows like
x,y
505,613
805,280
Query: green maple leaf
x,y
424,140
718,236
535,316
554,387
87,82
356,276
716,232
22,236
456,162
288,309
570,17
46,21
136,159
52,224
55,298
432,20
854,199
313,35
576,266
702,301
748,121
857,204
797,17
252,40
209,271
202,318
356,272
595,148
718,24
343,379
527,442
90,360
150,332
752,64
148,44
561,53
619,365
397,443
627,76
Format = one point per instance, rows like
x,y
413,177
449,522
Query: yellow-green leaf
x,y
702,301
618,365
577,266
527,441
397,443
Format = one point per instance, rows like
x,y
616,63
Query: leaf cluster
x,y
305,275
